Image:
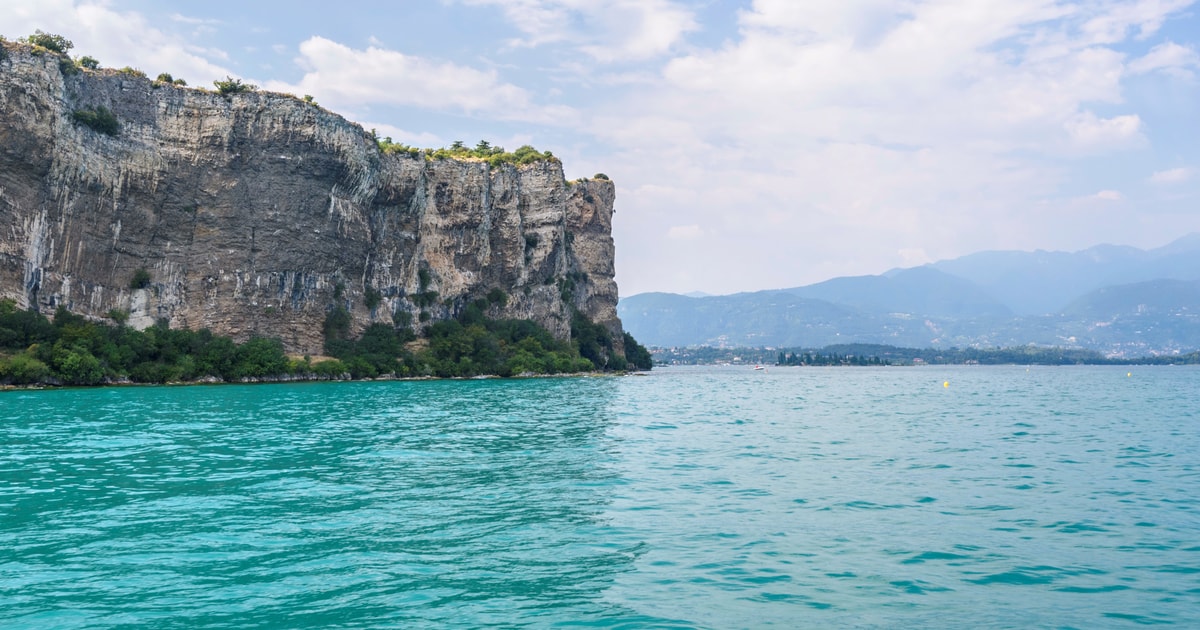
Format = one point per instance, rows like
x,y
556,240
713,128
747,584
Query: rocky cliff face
x,y
258,213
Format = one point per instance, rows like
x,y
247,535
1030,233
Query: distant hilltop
x,y
253,213
1122,301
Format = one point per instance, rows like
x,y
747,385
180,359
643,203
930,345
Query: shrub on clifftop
x,y
165,78
484,150
233,86
49,41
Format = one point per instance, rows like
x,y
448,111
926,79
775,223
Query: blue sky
x,y
754,144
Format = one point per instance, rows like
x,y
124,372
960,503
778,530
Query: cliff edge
x,y
256,214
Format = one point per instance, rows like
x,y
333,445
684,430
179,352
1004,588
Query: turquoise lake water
x,y
687,498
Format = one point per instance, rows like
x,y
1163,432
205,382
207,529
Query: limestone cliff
x,y
257,213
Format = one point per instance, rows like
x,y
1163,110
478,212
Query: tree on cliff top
x,y
49,41
233,86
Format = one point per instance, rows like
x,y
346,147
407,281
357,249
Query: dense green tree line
x,y
817,357
1020,355
473,344
71,350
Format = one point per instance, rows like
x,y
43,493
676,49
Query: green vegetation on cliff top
x,y
48,41
483,151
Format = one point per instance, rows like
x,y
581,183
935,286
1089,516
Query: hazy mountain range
x,y
1120,300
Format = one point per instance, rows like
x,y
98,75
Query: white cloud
x,y
179,17
1089,131
1112,22
1167,57
1172,176
115,38
943,73
340,76
637,29
606,30
949,127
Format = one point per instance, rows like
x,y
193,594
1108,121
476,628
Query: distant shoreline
x,y
878,355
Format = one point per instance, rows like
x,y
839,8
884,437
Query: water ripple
x,y
692,498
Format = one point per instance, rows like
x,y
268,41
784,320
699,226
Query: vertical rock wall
x,y
257,213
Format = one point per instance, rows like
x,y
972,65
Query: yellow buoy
x,y
946,384
1128,374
